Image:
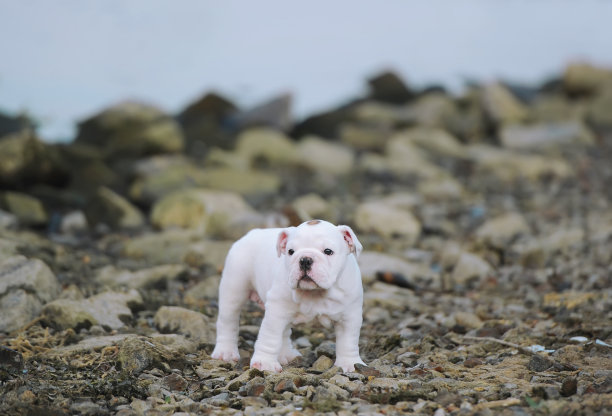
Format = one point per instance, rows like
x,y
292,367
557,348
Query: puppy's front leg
x,y
270,339
347,341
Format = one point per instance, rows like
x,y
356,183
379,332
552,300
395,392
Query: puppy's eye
x,y
290,252
328,251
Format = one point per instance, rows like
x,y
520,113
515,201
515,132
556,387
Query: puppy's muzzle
x,y
306,263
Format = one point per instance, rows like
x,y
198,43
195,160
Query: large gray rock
x,y
8,221
389,87
434,109
25,160
274,113
197,208
387,221
584,78
501,231
185,322
109,208
141,279
313,206
500,105
599,111
108,309
436,141
266,145
159,176
202,122
131,129
365,137
322,156
25,285
27,209
470,266
545,135
371,263
509,166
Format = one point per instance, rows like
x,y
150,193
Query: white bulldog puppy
x,y
298,274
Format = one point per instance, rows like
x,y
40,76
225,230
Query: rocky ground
x,y
486,221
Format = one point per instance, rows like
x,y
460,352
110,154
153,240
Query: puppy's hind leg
x,y
234,290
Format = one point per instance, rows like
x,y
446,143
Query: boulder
x,y
27,209
8,221
109,208
389,87
204,123
365,137
470,266
322,156
371,263
517,136
500,105
435,141
108,309
379,218
198,209
131,129
313,206
434,109
25,161
500,231
25,285
583,78
509,166
151,277
161,175
265,145
599,110
174,319
275,113
253,183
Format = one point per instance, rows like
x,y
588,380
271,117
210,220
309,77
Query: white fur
x,y
260,262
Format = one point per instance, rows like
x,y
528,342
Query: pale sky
x,y
63,60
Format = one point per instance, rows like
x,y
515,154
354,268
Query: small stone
x,y
472,362
174,382
569,386
538,363
500,105
409,358
284,385
322,363
256,386
468,320
366,371
327,348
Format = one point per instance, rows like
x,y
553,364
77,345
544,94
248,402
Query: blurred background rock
x,y
469,145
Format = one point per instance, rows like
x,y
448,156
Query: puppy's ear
x,y
353,243
281,242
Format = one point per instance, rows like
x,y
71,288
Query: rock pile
x,y
486,220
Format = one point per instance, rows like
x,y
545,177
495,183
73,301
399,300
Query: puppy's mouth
x,y
306,283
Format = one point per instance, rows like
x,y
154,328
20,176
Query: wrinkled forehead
x,y
316,231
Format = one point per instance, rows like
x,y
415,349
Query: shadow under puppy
x,y
299,274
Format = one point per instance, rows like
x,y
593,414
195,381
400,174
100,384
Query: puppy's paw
x,y
347,364
226,353
265,364
288,355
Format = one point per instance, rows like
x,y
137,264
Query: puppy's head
x,y
315,253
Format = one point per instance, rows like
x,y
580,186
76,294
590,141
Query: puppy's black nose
x,y
305,263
